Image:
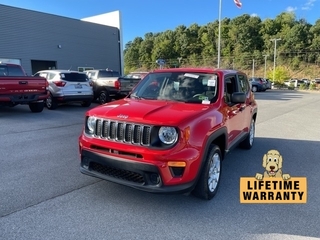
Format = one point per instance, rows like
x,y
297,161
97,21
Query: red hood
x,y
148,111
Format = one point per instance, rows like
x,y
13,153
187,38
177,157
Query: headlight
x,y
91,124
168,135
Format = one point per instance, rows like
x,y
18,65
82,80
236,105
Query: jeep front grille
x,y
123,132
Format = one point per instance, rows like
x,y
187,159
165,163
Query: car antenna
x,y
70,68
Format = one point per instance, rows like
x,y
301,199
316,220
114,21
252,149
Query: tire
x,y
208,183
51,102
36,107
254,89
86,104
104,97
247,143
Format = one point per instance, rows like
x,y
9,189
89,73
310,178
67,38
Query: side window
x,y
244,84
51,76
230,86
43,75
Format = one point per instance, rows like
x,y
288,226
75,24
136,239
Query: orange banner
x,y
273,190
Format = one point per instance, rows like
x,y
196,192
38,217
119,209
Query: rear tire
x,y
36,107
51,102
208,183
104,97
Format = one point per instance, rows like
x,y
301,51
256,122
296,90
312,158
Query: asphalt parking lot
x,y
44,196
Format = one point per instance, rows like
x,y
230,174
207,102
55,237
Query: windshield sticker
x,y
191,75
176,85
211,83
206,101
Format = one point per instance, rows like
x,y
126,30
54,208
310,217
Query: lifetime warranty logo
x,y
273,186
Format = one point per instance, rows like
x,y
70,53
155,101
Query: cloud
x,y
308,5
254,15
291,9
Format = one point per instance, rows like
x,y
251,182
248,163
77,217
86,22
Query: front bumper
x,y
142,167
142,176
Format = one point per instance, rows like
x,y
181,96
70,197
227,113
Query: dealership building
x,y
40,41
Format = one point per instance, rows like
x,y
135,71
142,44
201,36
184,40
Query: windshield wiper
x,y
136,97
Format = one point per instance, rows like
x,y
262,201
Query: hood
x,y
148,111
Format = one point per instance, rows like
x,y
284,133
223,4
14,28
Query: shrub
x,y
303,86
312,86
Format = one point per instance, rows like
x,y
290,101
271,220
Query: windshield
x,y
178,86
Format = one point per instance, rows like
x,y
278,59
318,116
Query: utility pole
x,y
275,55
219,34
252,68
179,59
265,65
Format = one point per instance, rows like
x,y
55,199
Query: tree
x,y
243,39
281,74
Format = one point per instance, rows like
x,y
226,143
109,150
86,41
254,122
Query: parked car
x,y
316,81
136,75
258,84
172,132
295,82
18,88
67,86
305,81
268,83
108,84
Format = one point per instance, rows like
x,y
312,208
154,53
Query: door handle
x,y
23,82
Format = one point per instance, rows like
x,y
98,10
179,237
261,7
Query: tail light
x,y
47,85
59,83
117,84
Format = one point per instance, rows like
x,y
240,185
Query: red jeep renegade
x,y
172,132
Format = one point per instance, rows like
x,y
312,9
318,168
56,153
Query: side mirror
x,y
238,97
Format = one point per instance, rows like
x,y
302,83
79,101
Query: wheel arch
x,y
219,138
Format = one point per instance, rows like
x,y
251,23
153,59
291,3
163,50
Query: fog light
x,y
154,178
85,162
177,171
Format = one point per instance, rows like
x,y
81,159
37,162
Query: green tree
x,y
281,74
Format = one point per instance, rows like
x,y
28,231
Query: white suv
x,y
67,86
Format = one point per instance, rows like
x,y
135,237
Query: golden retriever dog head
x,y
272,162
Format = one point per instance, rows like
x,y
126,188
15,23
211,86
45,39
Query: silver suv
x,y
67,86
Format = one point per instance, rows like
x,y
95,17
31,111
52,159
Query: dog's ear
x,y
264,161
280,162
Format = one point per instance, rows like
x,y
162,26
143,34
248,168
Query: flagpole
x,y
219,33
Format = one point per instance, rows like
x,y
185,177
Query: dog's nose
x,y
272,167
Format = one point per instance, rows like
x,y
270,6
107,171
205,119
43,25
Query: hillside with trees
x,y
246,44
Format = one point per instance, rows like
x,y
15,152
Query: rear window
x,y
103,74
14,71
74,77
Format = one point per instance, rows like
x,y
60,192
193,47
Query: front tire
x,y
254,89
36,107
209,180
247,143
